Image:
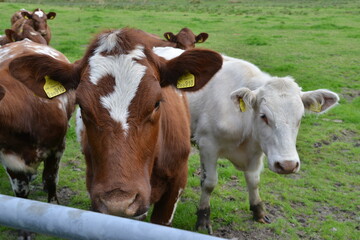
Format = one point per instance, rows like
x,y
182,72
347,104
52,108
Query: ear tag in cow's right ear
x,y
53,88
242,105
186,81
315,107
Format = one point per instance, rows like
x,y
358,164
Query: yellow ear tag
x,y
316,107
168,36
26,17
242,105
53,88
186,81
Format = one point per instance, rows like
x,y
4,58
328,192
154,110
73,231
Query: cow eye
x,y
264,118
157,105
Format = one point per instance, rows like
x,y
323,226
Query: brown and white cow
x,y
37,20
136,129
33,123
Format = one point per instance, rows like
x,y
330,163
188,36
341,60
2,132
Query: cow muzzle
x,y
286,167
122,204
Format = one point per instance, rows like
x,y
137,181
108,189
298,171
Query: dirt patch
x,y
65,195
256,234
350,94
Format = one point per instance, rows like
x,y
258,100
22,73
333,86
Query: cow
x,y
20,31
242,114
134,125
33,121
36,20
185,39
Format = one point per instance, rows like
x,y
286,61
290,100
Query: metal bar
x,y
72,223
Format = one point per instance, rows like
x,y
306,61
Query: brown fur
x,y
185,39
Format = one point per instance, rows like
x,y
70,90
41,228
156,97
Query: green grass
x,y
316,42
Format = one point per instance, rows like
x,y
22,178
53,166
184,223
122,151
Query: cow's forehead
x,y
126,71
27,46
39,13
281,94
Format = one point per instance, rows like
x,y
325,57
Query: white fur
x,y
175,206
79,125
15,162
10,50
39,13
127,73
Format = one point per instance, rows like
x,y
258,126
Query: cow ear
x,y
51,15
201,37
11,35
319,101
2,92
26,15
170,37
243,99
191,70
36,70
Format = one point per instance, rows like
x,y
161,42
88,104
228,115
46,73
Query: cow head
x,y
185,39
26,31
277,109
39,19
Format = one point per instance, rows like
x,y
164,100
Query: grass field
x,y
316,42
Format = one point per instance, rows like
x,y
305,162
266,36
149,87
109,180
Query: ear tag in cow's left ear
x,y
315,107
242,105
53,88
186,81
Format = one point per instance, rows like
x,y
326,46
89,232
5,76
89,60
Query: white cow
x,y
242,114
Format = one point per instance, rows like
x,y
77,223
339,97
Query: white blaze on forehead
x,y
39,13
126,71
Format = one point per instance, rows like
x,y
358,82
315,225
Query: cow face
x,y
277,109
185,39
39,19
122,108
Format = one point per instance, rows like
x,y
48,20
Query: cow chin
x,y
121,204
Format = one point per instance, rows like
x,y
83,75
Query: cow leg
x,y
256,205
20,184
50,174
164,209
209,178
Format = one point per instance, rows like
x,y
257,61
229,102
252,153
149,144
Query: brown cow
x,y
136,135
185,39
32,125
37,20
21,30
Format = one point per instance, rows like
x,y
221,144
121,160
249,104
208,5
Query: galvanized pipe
x,y
71,223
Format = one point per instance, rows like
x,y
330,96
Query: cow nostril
x,y
278,166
